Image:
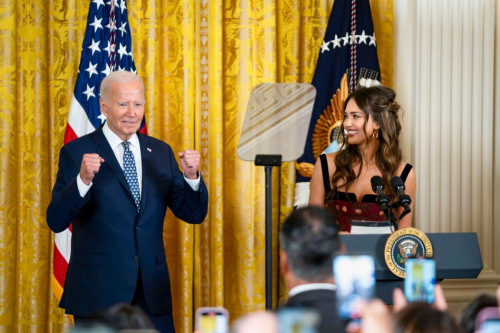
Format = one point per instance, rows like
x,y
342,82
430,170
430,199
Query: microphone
x,y
378,188
383,200
404,200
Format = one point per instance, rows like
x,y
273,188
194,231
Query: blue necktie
x,y
131,173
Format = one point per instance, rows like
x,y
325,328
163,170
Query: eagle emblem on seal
x,y
407,249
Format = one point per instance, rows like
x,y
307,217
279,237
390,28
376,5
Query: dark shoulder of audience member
x,y
125,316
92,327
468,317
309,238
420,317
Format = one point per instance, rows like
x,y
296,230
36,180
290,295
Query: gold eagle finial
x,y
327,128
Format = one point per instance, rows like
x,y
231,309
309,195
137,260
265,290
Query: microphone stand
x,y
389,214
404,200
384,204
392,218
404,213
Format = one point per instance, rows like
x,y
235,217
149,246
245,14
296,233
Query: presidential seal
x,y
403,244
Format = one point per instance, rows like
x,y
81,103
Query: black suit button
x,y
136,259
74,210
137,228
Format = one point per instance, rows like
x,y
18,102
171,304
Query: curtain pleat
x,y
454,119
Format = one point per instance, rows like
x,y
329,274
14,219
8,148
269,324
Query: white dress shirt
x,y
311,286
116,145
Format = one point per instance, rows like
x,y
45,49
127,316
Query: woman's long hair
x,y
377,103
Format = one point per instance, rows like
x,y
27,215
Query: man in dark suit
x,y
114,185
309,238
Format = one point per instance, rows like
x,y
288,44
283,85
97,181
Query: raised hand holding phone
x,y
400,300
420,280
355,280
488,320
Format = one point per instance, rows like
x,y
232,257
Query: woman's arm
x,y
317,189
410,185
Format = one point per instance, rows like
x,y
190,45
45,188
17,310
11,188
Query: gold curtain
x,y
199,61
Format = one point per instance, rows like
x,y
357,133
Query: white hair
x,y
118,76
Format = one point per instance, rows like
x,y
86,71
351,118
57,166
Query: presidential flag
x,y
107,47
347,57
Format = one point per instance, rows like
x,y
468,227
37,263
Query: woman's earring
x,y
375,133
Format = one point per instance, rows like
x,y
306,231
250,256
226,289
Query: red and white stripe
x,y
112,37
77,126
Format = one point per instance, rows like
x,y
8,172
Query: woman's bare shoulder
x,y
402,166
331,157
331,163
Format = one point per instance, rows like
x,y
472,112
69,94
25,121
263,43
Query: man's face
x,y
124,108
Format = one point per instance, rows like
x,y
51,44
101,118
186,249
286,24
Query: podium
x,y
457,256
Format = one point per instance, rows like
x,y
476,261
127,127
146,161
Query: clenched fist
x,y
90,166
190,160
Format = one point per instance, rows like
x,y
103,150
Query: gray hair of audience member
x,y
261,321
118,76
468,316
125,316
310,238
420,317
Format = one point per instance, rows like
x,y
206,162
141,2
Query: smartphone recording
x,y
212,320
297,320
355,280
488,320
420,280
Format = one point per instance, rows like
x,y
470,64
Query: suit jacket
x,y
323,302
110,240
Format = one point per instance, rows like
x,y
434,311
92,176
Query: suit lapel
x,y
104,150
147,161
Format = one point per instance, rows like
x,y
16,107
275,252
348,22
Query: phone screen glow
x,y
491,326
213,323
420,280
355,280
297,320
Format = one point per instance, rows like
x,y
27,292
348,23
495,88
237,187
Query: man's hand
x,y
376,318
190,160
90,166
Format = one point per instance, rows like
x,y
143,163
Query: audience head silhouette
x,y
420,317
309,238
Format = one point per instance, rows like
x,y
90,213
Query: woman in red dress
x,y
341,181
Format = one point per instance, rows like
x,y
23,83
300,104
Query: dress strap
x,y
324,169
405,172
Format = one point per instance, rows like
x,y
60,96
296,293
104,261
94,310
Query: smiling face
x,y
354,124
124,108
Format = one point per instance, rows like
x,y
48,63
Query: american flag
x,y
107,47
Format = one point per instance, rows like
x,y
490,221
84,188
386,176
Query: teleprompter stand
x,y
268,161
275,130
